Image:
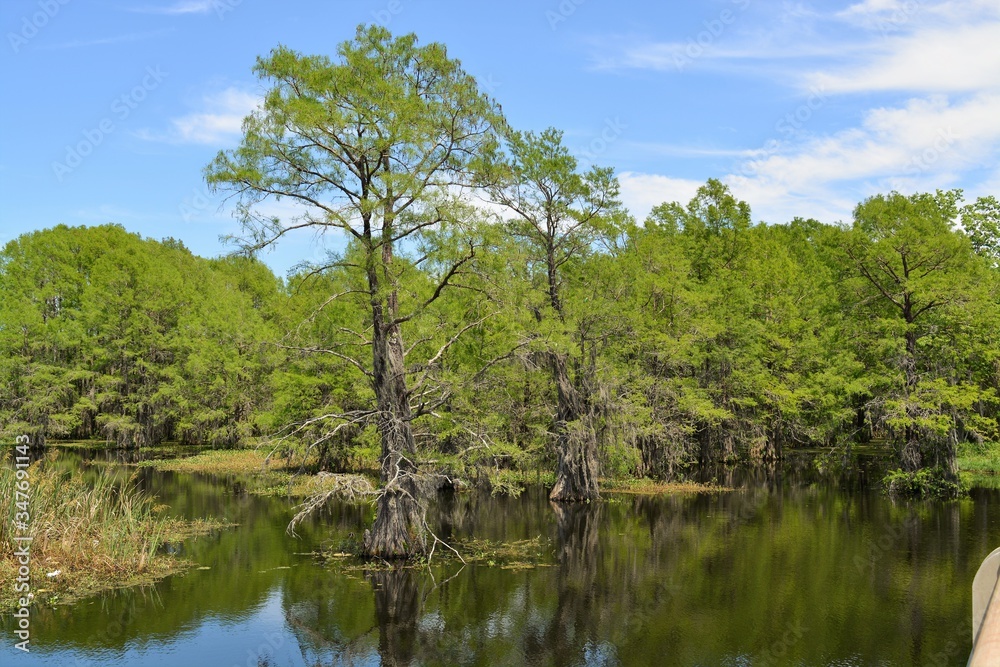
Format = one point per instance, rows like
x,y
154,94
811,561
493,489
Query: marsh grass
x,y
274,476
97,533
226,462
980,459
654,488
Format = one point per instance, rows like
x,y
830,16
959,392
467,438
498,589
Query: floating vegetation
x,y
505,555
654,488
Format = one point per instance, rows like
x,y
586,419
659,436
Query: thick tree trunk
x,y
398,531
576,442
911,457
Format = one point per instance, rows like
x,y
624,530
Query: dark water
x,y
798,567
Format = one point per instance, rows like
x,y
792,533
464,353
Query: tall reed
x,y
96,532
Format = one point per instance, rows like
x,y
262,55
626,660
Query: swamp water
x,y
797,567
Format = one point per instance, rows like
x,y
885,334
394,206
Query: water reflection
x,y
397,608
798,567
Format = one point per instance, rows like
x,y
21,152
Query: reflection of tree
x,y
397,607
577,614
335,621
454,513
675,580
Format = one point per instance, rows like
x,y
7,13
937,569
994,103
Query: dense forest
x,y
496,312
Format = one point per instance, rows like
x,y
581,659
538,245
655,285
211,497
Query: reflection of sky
x,y
259,634
807,574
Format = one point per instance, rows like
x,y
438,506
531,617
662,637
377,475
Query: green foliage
x,y
504,342
928,483
106,335
981,222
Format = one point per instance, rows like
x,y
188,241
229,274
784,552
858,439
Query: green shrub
x,y
924,483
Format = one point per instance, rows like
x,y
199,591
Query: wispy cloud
x,y
922,145
910,45
680,56
177,8
130,37
898,15
219,122
936,67
892,142
958,58
674,150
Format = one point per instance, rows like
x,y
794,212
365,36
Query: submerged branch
x,y
345,486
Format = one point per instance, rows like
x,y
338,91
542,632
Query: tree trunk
x,y
576,442
910,457
398,531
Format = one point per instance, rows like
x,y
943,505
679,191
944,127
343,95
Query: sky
x,y
114,107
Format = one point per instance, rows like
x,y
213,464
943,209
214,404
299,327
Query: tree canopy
x,y
547,335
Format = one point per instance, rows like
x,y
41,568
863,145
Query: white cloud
x,y
178,8
937,62
220,122
898,15
773,202
894,141
921,145
963,58
903,45
641,192
682,56
883,15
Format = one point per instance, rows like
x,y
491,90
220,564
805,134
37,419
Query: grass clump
x,y
224,462
512,555
649,487
981,459
95,535
512,482
266,475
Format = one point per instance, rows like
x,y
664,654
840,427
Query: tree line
x,y
549,330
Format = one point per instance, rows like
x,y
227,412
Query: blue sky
x,y
804,108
